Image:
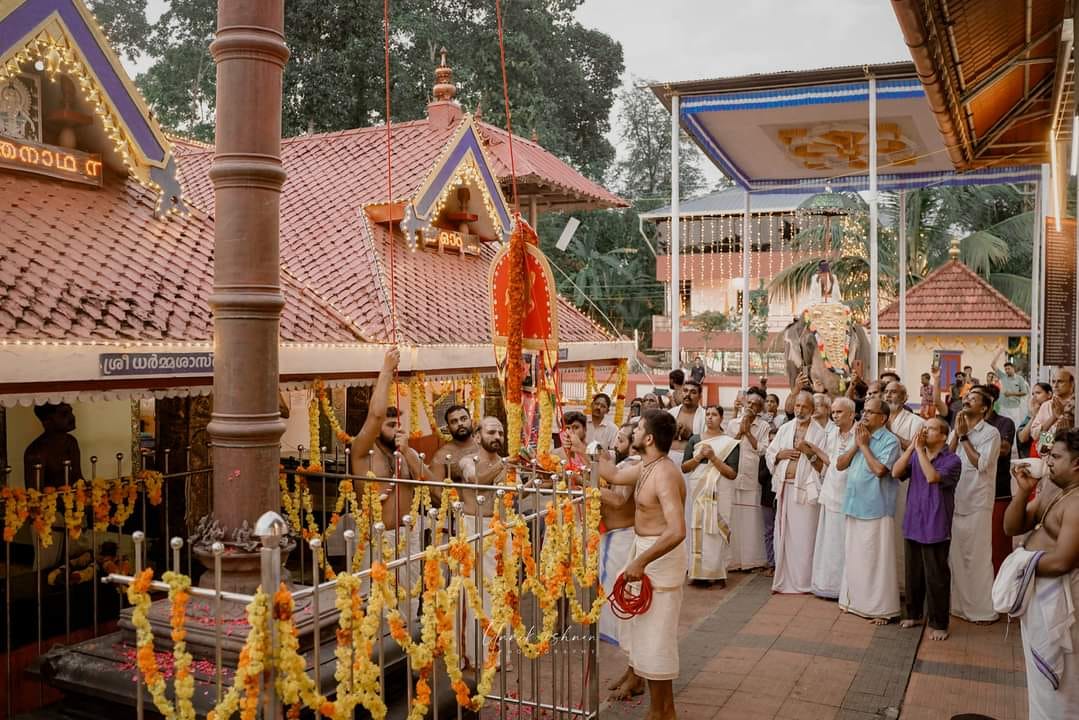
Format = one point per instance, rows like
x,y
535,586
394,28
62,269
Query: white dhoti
x,y
828,554
489,570
1050,623
971,560
615,547
651,639
709,528
795,533
870,587
747,529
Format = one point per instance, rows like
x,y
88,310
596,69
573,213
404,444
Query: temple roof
x,y
329,242
954,298
87,264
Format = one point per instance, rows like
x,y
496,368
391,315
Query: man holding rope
x,y
658,561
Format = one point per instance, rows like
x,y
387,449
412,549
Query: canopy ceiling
x,y
807,131
997,72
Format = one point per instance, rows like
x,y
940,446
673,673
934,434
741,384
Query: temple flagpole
x,y
247,175
675,251
874,260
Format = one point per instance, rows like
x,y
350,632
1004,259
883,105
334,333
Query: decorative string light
x,y
712,251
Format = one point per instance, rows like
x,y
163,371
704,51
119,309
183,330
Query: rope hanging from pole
x,y
506,99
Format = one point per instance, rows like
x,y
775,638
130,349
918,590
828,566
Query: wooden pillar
x,y
246,428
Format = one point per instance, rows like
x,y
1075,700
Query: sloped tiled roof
x,y
328,243
78,263
954,297
534,163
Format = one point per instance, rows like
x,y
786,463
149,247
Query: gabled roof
x,y
65,36
564,187
329,243
730,201
80,263
954,298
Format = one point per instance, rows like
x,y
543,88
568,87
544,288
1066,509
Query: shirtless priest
x,y
659,551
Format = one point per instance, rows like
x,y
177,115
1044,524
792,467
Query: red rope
x,y
625,603
506,97
389,168
389,216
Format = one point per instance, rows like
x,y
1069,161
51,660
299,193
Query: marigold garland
x,y
429,409
415,400
315,464
621,386
476,399
184,684
589,384
568,559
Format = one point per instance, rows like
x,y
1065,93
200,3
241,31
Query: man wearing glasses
x,y
870,586
977,443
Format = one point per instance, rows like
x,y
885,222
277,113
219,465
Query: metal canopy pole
x,y
675,253
1036,288
874,291
901,356
746,242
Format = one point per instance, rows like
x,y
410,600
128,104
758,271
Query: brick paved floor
x,y
751,655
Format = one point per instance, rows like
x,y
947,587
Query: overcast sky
x,y
694,39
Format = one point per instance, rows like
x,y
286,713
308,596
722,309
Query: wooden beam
x,y
1004,123
1010,63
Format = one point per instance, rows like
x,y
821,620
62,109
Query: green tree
x,y
125,24
993,223
562,76
644,173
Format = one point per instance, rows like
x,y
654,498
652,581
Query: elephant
x,y
803,347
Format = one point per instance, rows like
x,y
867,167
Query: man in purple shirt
x,y
934,472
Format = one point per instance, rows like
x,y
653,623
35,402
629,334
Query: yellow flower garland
x,y
312,428
620,392
184,686
476,400
415,399
589,384
429,409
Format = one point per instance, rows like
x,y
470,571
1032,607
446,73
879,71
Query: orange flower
x,y
423,691
142,582
327,709
397,629
282,603
378,572
461,690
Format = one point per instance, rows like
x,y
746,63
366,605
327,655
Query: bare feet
x,y
769,572
621,679
935,634
631,687
905,624
880,621
986,622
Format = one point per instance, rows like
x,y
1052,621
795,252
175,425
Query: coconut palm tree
x,y
994,224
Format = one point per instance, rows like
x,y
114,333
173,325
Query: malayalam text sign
x,y
190,363
58,162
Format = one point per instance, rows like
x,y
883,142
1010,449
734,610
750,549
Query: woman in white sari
x,y
711,466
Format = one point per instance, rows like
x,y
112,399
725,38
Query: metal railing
x,y
550,683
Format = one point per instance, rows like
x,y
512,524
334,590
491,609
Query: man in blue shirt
x,y
870,586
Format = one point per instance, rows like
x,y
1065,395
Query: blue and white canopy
x,y
808,131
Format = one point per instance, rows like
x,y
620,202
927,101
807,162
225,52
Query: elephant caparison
x,y
802,349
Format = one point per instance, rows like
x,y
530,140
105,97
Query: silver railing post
x,y
591,670
377,534
218,549
8,707
67,554
316,545
407,522
138,537
271,529
94,551
176,544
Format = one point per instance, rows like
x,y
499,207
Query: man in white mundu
x,y
485,467
747,518
711,464
794,459
977,443
659,551
870,586
616,519
690,417
828,550
1049,618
